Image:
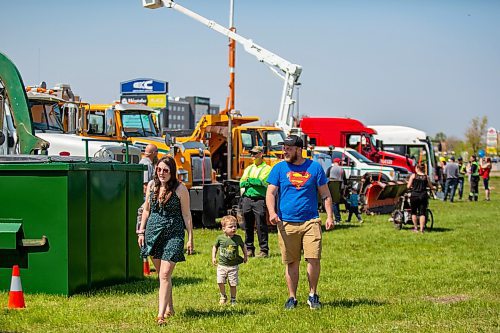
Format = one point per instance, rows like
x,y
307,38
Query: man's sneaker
x,y
263,254
223,299
233,301
314,302
291,303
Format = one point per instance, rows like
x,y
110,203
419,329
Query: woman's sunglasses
x,y
160,170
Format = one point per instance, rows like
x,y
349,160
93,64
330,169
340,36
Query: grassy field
x,y
374,279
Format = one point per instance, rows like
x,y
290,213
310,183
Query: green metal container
x,y
87,213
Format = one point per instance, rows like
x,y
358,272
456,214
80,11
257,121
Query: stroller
x,y
401,215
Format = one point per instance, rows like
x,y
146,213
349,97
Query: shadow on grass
x,y
147,285
350,303
434,229
344,226
224,311
259,300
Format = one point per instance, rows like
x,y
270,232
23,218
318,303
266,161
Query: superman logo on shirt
x,y
298,179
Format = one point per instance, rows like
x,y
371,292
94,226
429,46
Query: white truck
x,y
355,164
408,141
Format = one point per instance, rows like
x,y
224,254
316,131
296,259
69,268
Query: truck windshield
x,y
274,138
46,116
359,156
137,123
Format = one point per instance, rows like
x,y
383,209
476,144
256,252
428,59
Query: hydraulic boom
x,y
288,71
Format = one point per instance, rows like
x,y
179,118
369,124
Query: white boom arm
x,y
289,72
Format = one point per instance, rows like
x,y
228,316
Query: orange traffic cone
x,y
16,297
145,266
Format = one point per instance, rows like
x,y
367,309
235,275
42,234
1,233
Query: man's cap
x,y
460,158
336,160
452,158
257,149
293,140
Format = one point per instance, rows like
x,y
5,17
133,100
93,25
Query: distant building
x,y
184,113
178,114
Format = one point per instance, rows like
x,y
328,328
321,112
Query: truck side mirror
x,y
379,144
109,118
312,141
352,164
168,139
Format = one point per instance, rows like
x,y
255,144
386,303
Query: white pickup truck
x,y
355,164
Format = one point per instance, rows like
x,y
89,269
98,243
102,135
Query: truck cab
x,y
410,142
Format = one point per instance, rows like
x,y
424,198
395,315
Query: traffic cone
x,y
16,297
145,267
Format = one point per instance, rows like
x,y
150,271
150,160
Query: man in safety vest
x,y
474,179
462,171
253,184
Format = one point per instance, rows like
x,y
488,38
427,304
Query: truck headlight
x,y
105,153
391,173
182,175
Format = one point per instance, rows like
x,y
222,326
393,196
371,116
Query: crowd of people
x,y
453,174
287,195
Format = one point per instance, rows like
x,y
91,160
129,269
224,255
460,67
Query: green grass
x,y
374,279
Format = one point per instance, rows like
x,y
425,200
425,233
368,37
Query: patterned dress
x,y
164,237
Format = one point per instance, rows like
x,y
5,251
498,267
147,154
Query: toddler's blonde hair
x,y
227,220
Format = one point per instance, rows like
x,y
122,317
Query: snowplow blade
x,y
382,197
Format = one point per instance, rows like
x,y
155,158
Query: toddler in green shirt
x,y
229,258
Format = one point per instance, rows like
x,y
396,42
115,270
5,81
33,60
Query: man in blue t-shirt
x,y
296,182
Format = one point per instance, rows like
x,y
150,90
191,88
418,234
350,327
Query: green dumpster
x,y
68,224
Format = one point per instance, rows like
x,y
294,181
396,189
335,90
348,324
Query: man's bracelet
x,y
140,234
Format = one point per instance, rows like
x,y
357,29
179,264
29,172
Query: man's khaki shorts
x,y
227,273
295,237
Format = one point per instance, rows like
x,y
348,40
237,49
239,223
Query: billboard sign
x,y
491,141
134,99
143,86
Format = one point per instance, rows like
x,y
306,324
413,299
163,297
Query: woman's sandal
x,y
169,314
161,321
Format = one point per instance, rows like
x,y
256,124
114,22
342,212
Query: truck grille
x,y
134,159
196,165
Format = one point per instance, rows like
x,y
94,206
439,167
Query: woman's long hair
x,y
172,183
421,166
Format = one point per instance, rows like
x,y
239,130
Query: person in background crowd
x,y
442,174
297,181
253,183
354,205
485,174
229,258
462,171
161,233
150,159
451,173
474,179
336,172
418,184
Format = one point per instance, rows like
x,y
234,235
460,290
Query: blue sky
x,y
433,65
